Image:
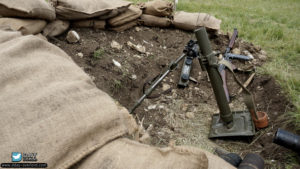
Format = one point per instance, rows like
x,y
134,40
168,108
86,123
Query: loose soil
x,y
180,116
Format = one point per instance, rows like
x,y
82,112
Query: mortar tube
x,y
215,78
287,140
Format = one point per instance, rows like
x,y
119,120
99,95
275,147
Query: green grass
x,y
98,54
272,24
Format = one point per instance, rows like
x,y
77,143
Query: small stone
x,y
246,52
72,37
164,47
196,89
152,107
80,54
236,51
133,77
137,56
116,63
166,87
115,45
161,106
262,57
139,48
138,29
190,115
184,107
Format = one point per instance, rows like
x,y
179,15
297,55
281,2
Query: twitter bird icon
x,y
16,157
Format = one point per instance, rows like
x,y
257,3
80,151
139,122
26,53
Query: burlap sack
x,y
127,154
79,10
131,14
56,28
113,13
125,26
26,26
191,21
49,106
37,9
90,23
150,20
158,8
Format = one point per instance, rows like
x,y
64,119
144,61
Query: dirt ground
x,y
180,116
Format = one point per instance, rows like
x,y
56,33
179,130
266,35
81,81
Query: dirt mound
x,y
175,115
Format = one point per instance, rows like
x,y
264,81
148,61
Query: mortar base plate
x,y
242,126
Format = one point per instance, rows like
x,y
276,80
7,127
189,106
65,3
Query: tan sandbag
x,y
26,26
127,154
113,13
56,28
90,23
41,36
49,106
79,10
150,20
36,9
158,8
125,26
131,14
191,21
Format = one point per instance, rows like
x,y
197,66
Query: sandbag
x,y
124,26
37,9
150,20
158,8
56,28
90,23
79,10
191,21
49,106
126,154
26,26
113,13
131,14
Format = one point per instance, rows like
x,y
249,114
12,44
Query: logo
x,y
16,157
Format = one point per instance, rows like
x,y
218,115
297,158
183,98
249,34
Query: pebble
x,y
236,51
166,87
190,115
137,56
133,77
72,37
138,29
152,107
115,45
246,52
116,63
80,55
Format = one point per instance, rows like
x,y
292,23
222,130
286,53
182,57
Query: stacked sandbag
x,y
56,28
80,10
125,20
191,21
156,13
25,26
89,23
28,17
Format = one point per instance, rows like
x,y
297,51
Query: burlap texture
x,y
158,8
127,154
125,26
150,20
79,10
191,21
49,106
38,9
26,26
56,28
89,23
113,13
131,14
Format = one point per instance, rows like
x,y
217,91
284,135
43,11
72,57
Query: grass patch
x,y
273,25
98,54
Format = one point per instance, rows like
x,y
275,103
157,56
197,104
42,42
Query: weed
x,y
117,85
98,54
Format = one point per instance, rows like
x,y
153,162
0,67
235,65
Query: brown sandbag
x,y
90,23
131,14
158,8
56,28
127,154
26,26
79,10
37,9
150,20
125,26
53,108
191,21
113,13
